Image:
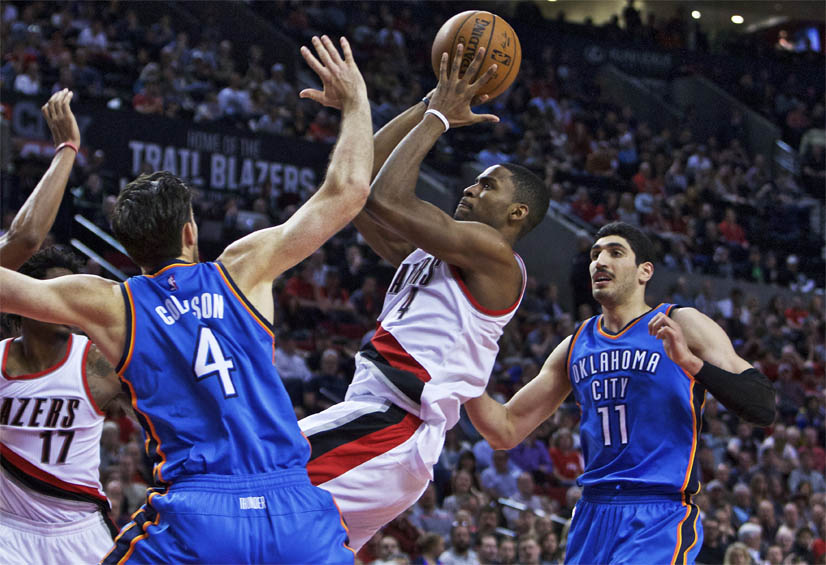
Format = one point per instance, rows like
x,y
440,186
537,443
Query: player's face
x,y
614,273
487,199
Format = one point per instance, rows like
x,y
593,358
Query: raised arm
x,y
93,304
393,202
702,349
505,426
35,218
387,244
255,260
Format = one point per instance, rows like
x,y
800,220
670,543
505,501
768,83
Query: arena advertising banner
x,y
211,157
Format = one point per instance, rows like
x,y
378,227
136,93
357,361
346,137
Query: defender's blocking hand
x,y
342,82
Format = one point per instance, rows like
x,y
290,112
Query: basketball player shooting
x,y
193,344
458,284
639,375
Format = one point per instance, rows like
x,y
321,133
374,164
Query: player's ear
x,y
645,271
189,237
518,212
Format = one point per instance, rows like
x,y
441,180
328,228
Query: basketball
x,y
474,29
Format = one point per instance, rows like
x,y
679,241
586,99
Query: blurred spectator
x,y
431,546
499,480
460,552
429,517
290,361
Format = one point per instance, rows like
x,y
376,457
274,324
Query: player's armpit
x,y
104,385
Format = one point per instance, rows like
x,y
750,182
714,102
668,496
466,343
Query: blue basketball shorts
x,y
269,518
634,528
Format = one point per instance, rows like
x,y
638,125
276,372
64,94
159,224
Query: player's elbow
x,y
762,413
19,244
502,443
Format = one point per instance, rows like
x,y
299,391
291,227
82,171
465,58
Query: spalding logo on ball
x,y
475,29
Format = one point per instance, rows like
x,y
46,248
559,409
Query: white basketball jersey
x,y
435,345
50,440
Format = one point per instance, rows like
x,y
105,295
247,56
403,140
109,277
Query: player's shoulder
x,y
686,315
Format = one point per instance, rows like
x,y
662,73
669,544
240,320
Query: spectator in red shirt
x,y
731,231
149,100
645,181
568,463
584,207
299,298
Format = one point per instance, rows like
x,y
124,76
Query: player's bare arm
x,y
104,385
385,243
702,349
505,426
481,252
255,260
32,223
91,303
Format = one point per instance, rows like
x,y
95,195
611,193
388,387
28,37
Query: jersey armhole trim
x,y
672,308
457,275
129,344
243,300
571,346
39,374
85,379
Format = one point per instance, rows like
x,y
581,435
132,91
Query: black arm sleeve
x,y
750,394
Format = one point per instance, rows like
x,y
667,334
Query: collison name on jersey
x,y
207,305
46,412
613,388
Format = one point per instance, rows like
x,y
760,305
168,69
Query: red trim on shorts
x,y
24,466
395,354
42,373
345,457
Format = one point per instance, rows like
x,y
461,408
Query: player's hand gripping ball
x,y
474,29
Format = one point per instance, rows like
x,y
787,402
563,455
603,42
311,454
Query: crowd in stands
x,y
712,208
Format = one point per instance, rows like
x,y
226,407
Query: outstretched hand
x,y
676,347
341,79
60,119
454,94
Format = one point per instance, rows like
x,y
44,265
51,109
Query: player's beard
x,y
617,292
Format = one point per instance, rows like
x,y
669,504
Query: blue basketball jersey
x,y
198,364
641,413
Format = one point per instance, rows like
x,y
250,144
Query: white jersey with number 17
x,y
50,440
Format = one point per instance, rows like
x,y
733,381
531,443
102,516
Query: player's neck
x,y
36,352
183,258
615,318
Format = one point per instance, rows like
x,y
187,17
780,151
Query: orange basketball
x,y
474,29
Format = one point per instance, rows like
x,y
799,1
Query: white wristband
x,y
439,115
